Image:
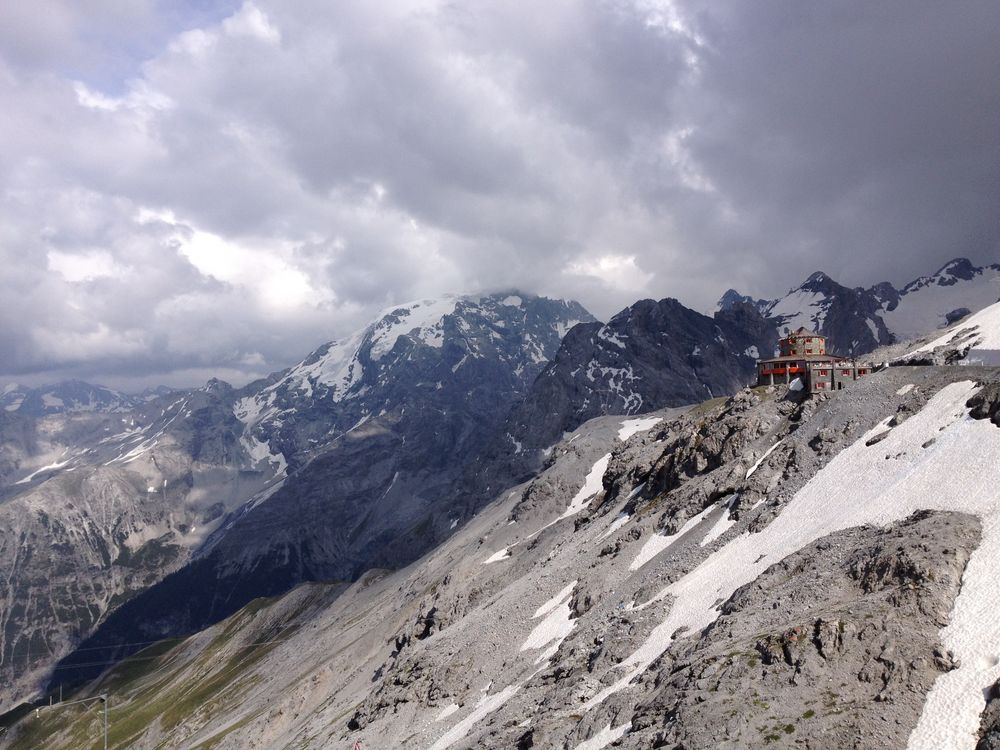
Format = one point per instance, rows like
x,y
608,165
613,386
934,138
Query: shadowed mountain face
x,y
369,438
389,447
649,356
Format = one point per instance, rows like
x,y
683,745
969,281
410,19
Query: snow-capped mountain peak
x,y
858,320
427,351
343,369
422,319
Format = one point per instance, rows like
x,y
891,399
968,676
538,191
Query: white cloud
x,y
251,21
86,266
620,272
261,270
231,189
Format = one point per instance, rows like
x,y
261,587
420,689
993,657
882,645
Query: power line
x,y
104,648
129,659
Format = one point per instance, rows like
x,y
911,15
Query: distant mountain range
x,y
764,570
182,506
859,320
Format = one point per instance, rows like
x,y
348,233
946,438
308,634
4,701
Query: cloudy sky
x,y
209,187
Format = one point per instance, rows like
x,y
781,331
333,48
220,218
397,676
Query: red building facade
x,y
802,354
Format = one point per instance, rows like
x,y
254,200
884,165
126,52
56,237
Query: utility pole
x,y
103,698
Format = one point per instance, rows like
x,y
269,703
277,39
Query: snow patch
x,y
615,525
486,705
50,467
981,331
447,711
562,328
52,401
924,303
604,738
631,426
554,602
422,319
497,556
556,626
591,486
724,524
800,308
606,334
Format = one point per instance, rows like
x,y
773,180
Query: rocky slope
x,y
97,506
757,571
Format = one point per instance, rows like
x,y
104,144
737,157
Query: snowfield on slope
x,y
983,333
888,481
923,309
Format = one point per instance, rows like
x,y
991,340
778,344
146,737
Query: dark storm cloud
x,y
191,189
858,137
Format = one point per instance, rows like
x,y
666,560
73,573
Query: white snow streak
x,y
555,627
554,602
724,524
497,556
591,486
615,525
447,711
660,542
761,460
50,467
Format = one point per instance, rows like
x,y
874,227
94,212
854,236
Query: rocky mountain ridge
x,y
70,396
649,356
695,579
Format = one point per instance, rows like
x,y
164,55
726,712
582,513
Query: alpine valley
x,y
492,521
